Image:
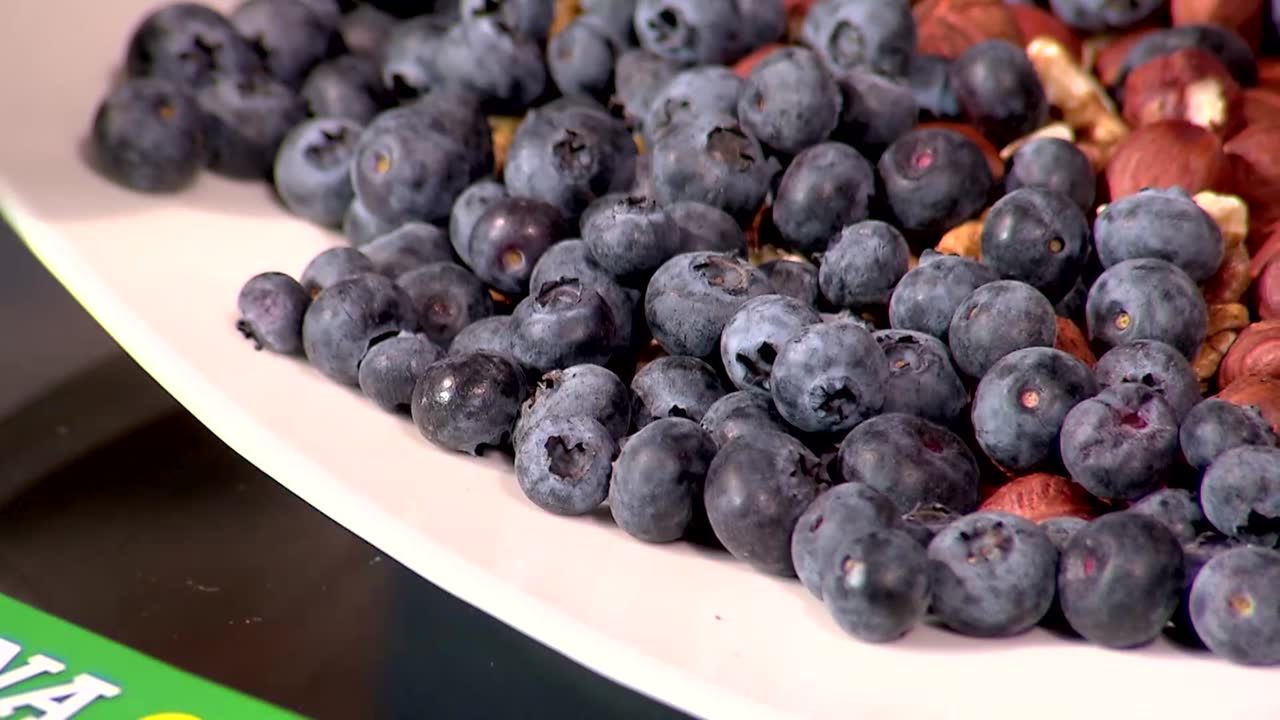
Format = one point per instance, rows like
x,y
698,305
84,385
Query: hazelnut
x,y
1190,84
1071,340
964,240
949,27
1059,130
1260,106
1111,52
1230,213
1266,291
1040,496
1258,391
1163,155
1255,352
1035,22
1268,250
1243,16
1269,73
1254,165
564,14
504,132
1209,358
1232,280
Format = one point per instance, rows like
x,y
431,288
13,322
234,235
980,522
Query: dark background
x,y
121,513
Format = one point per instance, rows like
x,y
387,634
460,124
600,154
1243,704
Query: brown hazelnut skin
x,y
1255,352
1110,60
1040,496
1266,290
949,27
1259,391
1165,154
1035,22
1071,340
1261,106
1253,157
1245,17
1190,84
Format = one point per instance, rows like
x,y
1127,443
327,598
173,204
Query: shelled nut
x,y
964,240
949,27
1166,154
1255,352
1040,496
1190,84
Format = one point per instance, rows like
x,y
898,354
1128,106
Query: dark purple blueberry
x,y
288,35
758,486
638,76
934,179
875,35
365,29
189,44
1154,364
1176,509
1057,165
702,90
692,296
360,227
390,370
673,386
829,377
616,15
924,522
630,237
740,412
332,266
711,159
689,31
579,391
927,296
408,56
408,248
148,135
405,173
1119,579
349,317
347,87
875,110
1021,402
992,574
245,120
564,464
459,116
1100,15
1240,494
487,58
922,380
1230,48
862,265
751,339
1061,529
565,322
912,461
494,334
1147,299
1233,606
571,260
509,238
469,402
999,90
658,480
877,585
1161,224
467,209
447,298
530,18
997,319
313,169
1215,426
760,22
704,228
1119,443
790,101
1039,237
580,58
271,308
930,80
793,278
825,188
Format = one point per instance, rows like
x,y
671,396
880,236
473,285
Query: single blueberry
x,y
711,159
531,18
863,264
930,81
673,386
704,228
349,317
912,461
408,57
571,260
829,377
332,266
403,172
359,226
996,319
313,169
347,87
751,339
1057,165
189,44
564,464
1176,509
790,101
579,391
658,480
407,248
1240,494
630,237
1147,299
288,35
365,29
1039,237
1215,426
692,296
689,31
271,308
1155,364
564,323
1162,224
1119,443
638,76
927,296
494,334
580,58
876,35
878,586
468,402
1233,605
148,135
245,120
999,90
825,188
486,57
835,516
793,278
467,209
875,110
741,412
390,370
507,240
922,380
447,298
703,90
760,22
934,179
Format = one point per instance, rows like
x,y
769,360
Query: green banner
x,y
52,670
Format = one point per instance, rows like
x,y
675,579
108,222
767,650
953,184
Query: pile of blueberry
x,y
583,292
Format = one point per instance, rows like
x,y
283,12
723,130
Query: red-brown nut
x,y
1243,16
1255,352
1036,22
1258,391
1267,250
1041,496
1266,292
1110,59
1269,73
744,66
1261,106
1231,280
949,27
1254,165
1163,155
1071,340
1190,84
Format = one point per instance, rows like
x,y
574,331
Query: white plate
x,y
684,625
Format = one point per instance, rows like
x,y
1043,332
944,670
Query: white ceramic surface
x,y
684,625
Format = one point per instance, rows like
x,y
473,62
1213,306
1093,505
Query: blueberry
x,y
1119,579
360,227
751,339
390,370
997,319
630,237
403,172
1147,299
494,334
564,464
467,209
863,264
837,515
408,56
829,377
349,317
1021,402
329,11
1161,224
922,380
934,179
1039,237
332,266
288,35
346,87
148,135
580,58
638,76
1176,509
875,35
673,386
1240,494
1233,605
760,22
706,228
659,478
313,169
569,158
457,115
738,413
531,18
245,120
692,296
1156,365
447,298
468,402
758,486
877,585
930,80
1099,15
924,522
484,56
825,188
790,101
188,44
704,90
507,240
875,110
616,15
1118,444
1057,165
999,90
407,248
579,391
571,260
927,296
912,461
689,31
565,322
365,29
1215,426
1230,48
992,574
271,308
793,278
1061,529
712,160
